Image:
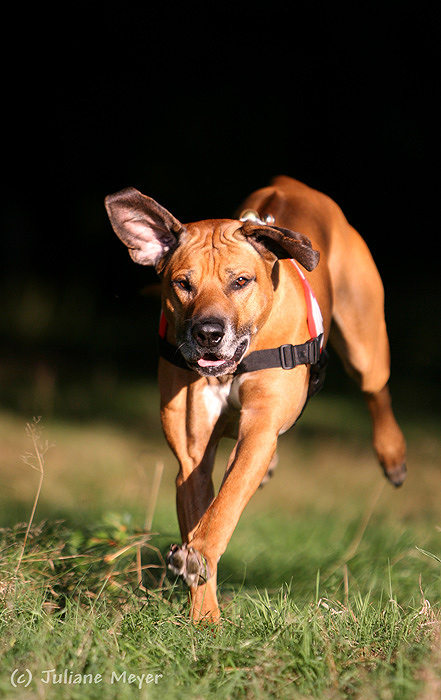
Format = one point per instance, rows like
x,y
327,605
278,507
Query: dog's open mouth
x,y
210,361
212,365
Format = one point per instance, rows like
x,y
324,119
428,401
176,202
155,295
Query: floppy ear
x,y
148,230
283,243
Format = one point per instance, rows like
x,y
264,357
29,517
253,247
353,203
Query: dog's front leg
x,y
196,561
262,419
193,433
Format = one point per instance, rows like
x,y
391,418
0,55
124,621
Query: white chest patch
x,y
215,398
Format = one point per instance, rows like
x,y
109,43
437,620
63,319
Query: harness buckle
x,y
314,350
287,357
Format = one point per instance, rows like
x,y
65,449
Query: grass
x,y
330,587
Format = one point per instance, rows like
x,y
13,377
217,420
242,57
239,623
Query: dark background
x,y
196,105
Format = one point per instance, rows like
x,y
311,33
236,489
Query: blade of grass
x,y
34,434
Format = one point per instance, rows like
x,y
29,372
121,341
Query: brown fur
x,y
211,309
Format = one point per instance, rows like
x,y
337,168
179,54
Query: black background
x,y
196,105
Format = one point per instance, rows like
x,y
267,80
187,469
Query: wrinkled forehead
x,y
220,240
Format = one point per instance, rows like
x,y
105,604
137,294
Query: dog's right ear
x,y
148,230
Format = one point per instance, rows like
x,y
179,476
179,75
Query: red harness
x,y
313,314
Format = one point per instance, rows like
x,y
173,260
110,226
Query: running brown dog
x,y
233,288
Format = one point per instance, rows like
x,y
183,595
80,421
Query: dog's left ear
x,y
283,243
148,230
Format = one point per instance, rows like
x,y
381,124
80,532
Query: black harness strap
x,y
286,357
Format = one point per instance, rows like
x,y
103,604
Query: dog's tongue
x,y
210,363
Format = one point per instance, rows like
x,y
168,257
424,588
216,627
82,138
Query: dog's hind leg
x,y
270,471
388,439
359,336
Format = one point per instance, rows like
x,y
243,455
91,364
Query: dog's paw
x,y
189,563
396,475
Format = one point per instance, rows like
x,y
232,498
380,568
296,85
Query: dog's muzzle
x,y
212,348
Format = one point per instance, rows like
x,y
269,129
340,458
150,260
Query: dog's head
x,y
218,281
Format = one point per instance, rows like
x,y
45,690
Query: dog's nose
x,y
208,333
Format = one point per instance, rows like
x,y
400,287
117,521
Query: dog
x,y
248,306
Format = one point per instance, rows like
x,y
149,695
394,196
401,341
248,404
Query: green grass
x,y
330,587
69,609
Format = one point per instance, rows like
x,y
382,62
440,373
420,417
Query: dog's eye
x,y
241,282
183,284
